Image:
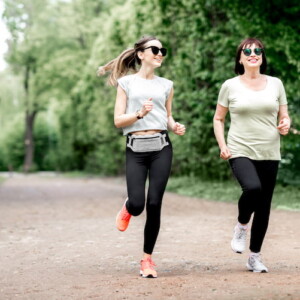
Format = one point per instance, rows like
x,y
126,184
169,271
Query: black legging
x,y
257,180
138,165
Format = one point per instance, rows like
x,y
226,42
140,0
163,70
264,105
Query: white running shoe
x,y
238,243
255,264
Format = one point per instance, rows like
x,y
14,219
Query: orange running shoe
x,y
123,218
147,268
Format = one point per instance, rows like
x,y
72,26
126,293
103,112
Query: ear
x,y
140,55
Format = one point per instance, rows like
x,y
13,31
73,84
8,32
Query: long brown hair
x,y
239,68
126,61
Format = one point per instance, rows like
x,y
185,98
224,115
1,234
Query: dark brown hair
x,y
239,68
125,62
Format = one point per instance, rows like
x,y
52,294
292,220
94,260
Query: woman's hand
x,y
179,129
284,126
147,106
225,153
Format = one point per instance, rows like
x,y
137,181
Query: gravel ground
x,y
58,241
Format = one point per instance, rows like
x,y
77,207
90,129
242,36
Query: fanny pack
x,y
147,143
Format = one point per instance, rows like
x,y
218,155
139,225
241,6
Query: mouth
x,y
159,60
253,60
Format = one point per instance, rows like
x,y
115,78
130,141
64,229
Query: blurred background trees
x,y
57,115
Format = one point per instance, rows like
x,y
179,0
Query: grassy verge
x,y
229,191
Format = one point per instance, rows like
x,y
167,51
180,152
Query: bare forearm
x,y
171,123
125,120
219,133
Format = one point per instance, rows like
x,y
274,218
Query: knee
x,y
135,209
154,205
252,188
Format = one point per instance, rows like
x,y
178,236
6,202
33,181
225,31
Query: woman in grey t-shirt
x,y
258,112
143,110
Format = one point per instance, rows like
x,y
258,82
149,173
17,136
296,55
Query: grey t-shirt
x,y
139,90
253,114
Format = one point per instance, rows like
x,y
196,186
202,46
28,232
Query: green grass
x,y
285,197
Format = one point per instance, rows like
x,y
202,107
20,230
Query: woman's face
x,y
148,57
254,60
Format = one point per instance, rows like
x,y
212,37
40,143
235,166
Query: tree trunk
x,y
29,140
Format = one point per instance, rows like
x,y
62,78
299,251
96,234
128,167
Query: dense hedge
x,y
201,37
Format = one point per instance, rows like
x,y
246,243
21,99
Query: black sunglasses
x,y
248,51
155,50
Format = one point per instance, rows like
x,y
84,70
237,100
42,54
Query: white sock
x,y
254,254
242,226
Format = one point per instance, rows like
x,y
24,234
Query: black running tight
x,y
257,180
140,165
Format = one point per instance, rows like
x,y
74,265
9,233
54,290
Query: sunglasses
x,y
155,50
248,51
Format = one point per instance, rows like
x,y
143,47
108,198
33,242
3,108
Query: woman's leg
x,y
159,171
137,165
267,172
246,174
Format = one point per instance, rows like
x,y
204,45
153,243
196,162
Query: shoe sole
x,y
255,271
147,276
239,252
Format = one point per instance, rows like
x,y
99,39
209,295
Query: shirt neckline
x,y
244,86
139,77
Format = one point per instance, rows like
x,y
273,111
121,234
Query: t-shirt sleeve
x,y
282,95
223,95
169,88
123,83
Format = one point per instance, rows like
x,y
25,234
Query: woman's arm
x,y
219,121
176,127
121,119
284,121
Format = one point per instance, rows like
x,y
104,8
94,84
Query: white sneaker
x,y
255,264
238,243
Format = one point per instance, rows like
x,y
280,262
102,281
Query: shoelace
x,y
148,264
257,260
125,215
241,235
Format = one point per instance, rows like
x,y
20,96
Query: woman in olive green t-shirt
x,y
258,112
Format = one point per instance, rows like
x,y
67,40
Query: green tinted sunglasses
x,y
248,51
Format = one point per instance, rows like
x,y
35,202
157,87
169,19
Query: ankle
x,y
146,256
255,254
242,226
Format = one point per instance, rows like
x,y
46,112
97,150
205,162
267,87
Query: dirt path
x,y
58,241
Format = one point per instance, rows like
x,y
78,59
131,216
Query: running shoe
x,y
123,218
255,264
238,243
147,268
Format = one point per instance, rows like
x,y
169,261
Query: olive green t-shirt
x,y
253,114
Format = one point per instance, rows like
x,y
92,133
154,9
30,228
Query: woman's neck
x,y
146,72
251,74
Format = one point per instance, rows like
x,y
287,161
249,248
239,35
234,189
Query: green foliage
x,y
230,191
12,146
66,41
45,144
12,150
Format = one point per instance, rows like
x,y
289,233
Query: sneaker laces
x,y
125,215
257,260
148,263
241,234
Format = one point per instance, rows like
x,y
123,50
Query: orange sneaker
x,y
123,218
147,268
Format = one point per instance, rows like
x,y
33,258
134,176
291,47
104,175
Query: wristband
x,y
137,113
